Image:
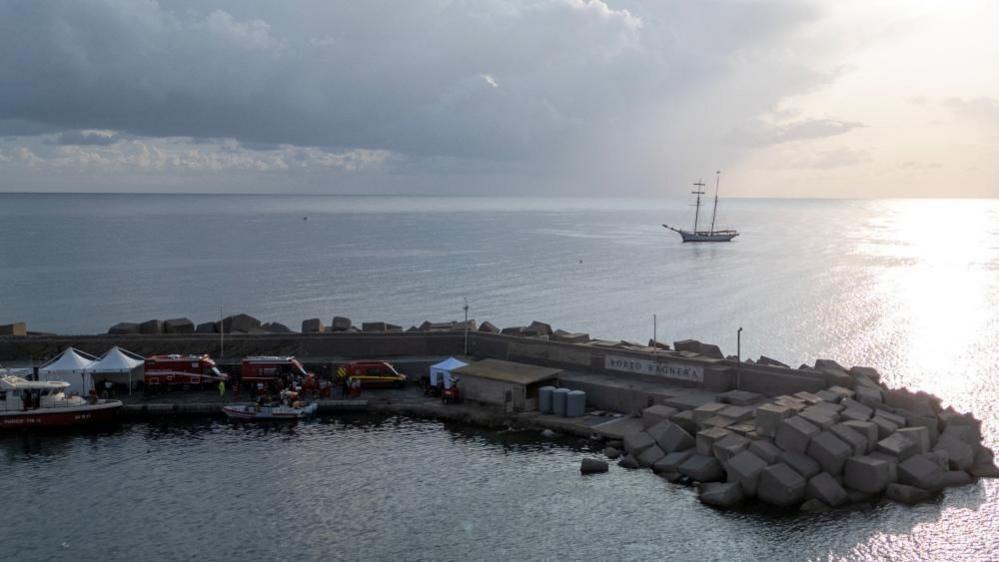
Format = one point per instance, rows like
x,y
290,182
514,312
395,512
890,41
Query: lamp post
x,y
465,308
221,334
655,338
738,357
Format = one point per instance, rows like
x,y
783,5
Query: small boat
x,y
710,235
25,403
269,411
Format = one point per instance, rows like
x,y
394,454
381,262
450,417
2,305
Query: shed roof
x,y
507,371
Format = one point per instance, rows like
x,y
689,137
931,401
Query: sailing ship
x,y
710,235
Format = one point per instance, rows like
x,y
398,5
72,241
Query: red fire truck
x,y
166,372
268,370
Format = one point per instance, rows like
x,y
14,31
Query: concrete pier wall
x,y
677,369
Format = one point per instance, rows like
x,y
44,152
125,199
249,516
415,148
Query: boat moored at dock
x,y
25,404
264,412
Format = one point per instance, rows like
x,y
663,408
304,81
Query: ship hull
x,y
707,236
61,417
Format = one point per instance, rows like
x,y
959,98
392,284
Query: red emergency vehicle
x,y
370,374
270,369
166,372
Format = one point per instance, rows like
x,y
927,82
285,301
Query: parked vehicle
x,y
370,374
272,372
168,372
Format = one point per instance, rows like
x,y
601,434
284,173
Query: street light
x,y
738,357
466,325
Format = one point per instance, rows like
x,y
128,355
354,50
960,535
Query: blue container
x,y
545,399
559,399
575,406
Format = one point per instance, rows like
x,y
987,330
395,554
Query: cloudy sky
x,y
798,98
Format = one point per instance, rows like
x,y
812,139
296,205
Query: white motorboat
x,y
270,412
25,403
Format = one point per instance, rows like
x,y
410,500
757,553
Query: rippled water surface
x,y
396,489
908,286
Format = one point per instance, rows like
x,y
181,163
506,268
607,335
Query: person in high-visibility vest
x,y
221,389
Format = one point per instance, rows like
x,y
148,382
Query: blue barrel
x,y
559,400
545,399
575,405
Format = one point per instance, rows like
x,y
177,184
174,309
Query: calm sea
x,y
908,286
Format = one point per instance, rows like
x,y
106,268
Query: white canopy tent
x,y
71,366
118,366
443,370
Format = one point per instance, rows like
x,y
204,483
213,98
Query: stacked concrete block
x,y
780,485
795,404
650,456
892,464
178,326
685,419
956,478
842,391
313,326
672,461
766,451
868,396
716,421
922,472
207,328
793,434
745,469
739,397
829,451
898,446
920,435
701,468
885,426
909,495
929,422
825,488
819,418
801,463
706,411
737,413
808,397
151,327
657,413
720,494
706,438
729,446
866,474
769,418
637,441
959,454
829,396
122,328
857,442
868,429
671,437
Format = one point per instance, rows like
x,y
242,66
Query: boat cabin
x,y
18,394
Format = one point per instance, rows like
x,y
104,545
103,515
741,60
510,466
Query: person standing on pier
x,y
221,389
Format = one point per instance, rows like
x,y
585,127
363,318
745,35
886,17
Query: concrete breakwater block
x,y
685,419
729,446
898,446
959,454
919,435
868,396
909,495
829,451
801,463
592,466
826,489
720,494
739,397
207,328
570,337
656,413
178,326
920,471
769,417
707,411
122,328
313,326
488,327
275,328
18,329
793,434
629,461
612,453
706,438
956,478
240,323
650,456
866,474
671,437
672,461
766,451
637,441
701,468
151,327
867,429
744,469
780,485
885,427
857,442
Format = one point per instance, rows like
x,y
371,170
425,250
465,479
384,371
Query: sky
x,y
799,98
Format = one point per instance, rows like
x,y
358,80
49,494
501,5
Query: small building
x,y
511,385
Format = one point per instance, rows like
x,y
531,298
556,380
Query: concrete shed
x,y
504,383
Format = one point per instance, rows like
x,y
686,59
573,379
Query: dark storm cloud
x,y
527,82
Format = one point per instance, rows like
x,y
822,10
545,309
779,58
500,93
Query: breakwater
x,y
816,437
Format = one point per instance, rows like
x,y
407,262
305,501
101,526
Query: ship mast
x,y
715,210
699,190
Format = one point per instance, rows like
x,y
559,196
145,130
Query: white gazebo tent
x,y
443,370
118,366
71,366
